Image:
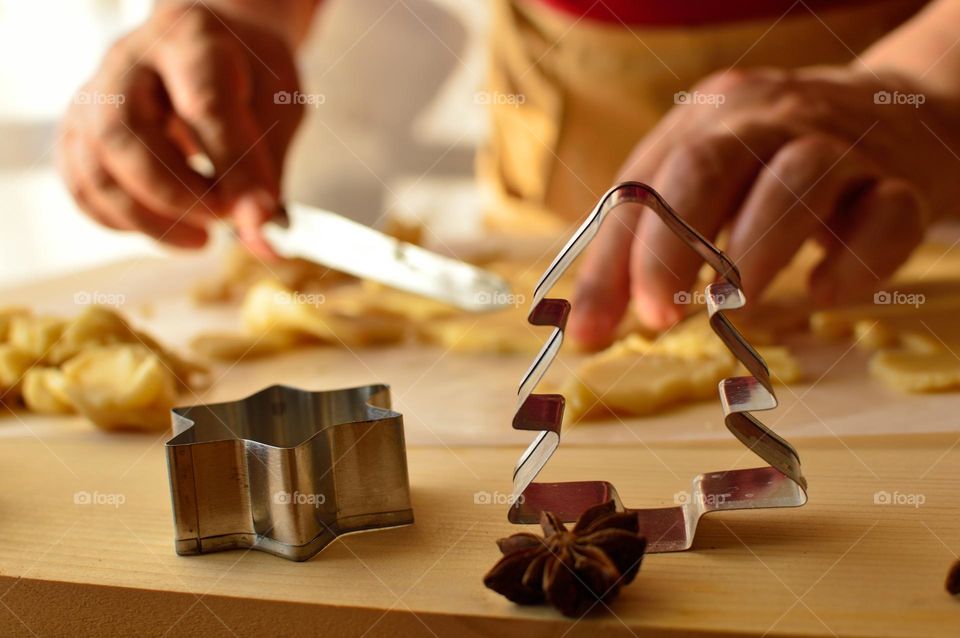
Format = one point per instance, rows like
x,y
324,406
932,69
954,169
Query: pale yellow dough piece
x,y
14,364
373,298
917,371
45,391
35,336
269,306
631,378
6,318
914,346
783,366
503,332
121,386
94,363
637,376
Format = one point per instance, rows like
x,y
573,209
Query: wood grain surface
x,y
844,565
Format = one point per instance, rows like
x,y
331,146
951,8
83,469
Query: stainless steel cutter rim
x,y
670,528
226,488
182,422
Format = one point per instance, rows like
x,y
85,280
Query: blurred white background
x,y
396,132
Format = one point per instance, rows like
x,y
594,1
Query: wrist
x,y
288,19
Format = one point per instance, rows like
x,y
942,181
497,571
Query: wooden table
x,y
845,564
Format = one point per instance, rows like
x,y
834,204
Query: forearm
x,y
290,18
924,49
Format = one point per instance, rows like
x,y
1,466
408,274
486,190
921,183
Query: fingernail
x,y
657,316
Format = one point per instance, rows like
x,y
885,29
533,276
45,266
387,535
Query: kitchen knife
x,y
342,244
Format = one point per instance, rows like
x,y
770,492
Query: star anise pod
x,y
573,570
953,579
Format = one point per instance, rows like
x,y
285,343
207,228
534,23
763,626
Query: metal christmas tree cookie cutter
x,y
667,529
286,471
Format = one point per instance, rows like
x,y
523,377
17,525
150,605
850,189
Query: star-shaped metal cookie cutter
x,y
667,529
286,471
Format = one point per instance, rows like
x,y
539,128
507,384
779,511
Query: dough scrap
x,y
95,364
14,364
638,376
45,391
914,346
503,332
242,270
35,336
916,371
121,386
276,317
269,306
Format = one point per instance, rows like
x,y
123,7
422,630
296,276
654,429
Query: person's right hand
x,y
188,81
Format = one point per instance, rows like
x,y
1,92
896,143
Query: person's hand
x,y
188,81
861,163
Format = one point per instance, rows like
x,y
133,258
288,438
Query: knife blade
x,y
342,244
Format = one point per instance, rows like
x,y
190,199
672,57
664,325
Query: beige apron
x,y
570,98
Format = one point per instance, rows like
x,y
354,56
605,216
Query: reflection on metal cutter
x,y
286,470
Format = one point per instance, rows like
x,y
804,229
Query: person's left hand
x,y
860,162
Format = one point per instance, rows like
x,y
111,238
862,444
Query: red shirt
x,y
675,13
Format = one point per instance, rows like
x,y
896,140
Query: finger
x,y
705,181
133,146
602,291
210,88
106,195
73,170
603,282
112,206
880,231
794,197
165,229
272,109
